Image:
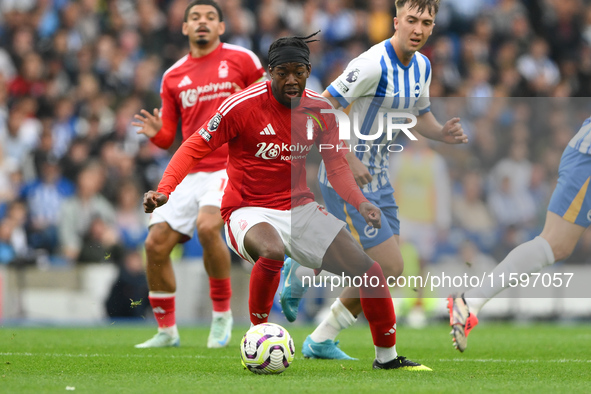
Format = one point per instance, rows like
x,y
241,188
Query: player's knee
x,y
156,243
271,250
208,231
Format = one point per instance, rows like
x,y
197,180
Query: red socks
x,y
220,292
163,308
264,280
378,309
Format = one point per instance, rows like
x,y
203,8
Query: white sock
x,y
385,354
172,331
215,314
527,258
338,319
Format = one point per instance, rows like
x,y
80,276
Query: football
x,y
267,349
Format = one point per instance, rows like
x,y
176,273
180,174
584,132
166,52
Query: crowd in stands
x,y
73,74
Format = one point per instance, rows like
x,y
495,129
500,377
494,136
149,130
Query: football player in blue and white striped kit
x,y
568,216
392,76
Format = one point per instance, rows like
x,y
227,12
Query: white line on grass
x,y
525,361
82,355
189,356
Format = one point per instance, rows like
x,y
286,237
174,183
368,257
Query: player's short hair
x,y
204,2
298,43
420,5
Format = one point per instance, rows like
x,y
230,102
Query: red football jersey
x,y
268,145
193,88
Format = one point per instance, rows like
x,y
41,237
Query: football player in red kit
x,y
268,208
191,90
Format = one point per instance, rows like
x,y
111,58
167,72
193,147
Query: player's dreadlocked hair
x,y
292,48
432,6
204,2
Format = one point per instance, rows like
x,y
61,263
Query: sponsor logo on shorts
x,y
370,232
323,210
589,215
242,223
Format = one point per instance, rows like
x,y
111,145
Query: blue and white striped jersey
x,y
374,83
582,140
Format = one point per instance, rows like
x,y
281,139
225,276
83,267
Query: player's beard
x,y
202,42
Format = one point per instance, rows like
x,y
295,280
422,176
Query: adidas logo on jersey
x,y
185,81
268,130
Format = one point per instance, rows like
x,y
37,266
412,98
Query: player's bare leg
x,y
162,284
346,256
344,311
265,247
556,242
216,259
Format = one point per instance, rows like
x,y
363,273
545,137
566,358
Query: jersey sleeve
x,y
424,103
359,79
214,133
170,115
252,68
337,168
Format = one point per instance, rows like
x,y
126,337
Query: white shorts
x,y
195,191
306,231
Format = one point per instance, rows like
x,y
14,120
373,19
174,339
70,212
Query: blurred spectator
x,y
100,243
65,126
78,212
132,222
44,197
129,293
422,188
471,213
76,158
7,253
538,69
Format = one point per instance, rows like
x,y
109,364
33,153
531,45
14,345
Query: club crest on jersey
x,y
417,89
214,123
223,69
353,75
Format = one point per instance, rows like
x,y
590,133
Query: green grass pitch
x,y
500,357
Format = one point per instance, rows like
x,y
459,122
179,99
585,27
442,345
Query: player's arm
x,y
451,132
188,155
335,103
160,126
360,171
341,178
214,133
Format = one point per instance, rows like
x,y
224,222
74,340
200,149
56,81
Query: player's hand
x,y
150,123
153,200
453,133
359,170
371,214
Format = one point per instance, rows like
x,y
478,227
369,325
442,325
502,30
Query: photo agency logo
x,y
388,123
